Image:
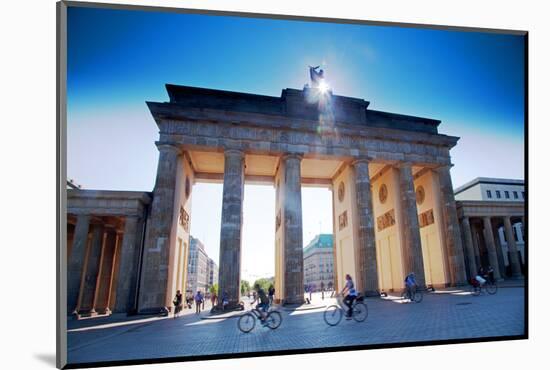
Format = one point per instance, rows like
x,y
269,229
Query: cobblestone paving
x,y
439,316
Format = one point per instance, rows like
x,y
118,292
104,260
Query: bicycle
x,y
490,287
247,321
417,295
334,313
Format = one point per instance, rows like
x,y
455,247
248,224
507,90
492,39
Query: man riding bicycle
x,y
350,294
481,276
410,285
263,303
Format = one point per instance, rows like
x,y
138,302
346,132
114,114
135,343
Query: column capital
x,y
401,164
167,146
297,156
356,161
233,152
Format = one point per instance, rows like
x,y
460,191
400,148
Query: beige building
x,y
319,262
393,203
493,217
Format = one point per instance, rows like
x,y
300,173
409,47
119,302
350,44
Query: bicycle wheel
x,y
246,322
491,288
476,290
418,296
273,319
333,315
360,312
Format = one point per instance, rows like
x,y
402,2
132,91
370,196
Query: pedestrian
x,y
322,290
271,293
198,301
189,300
225,300
178,302
213,299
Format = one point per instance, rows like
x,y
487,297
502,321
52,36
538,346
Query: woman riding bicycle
x,y
263,302
350,294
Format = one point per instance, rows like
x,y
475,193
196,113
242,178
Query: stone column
x,y
156,253
477,249
453,240
101,298
75,263
292,242
411,229
367,281
500,257
469,246
231,227
490,244
89,286
512,248
128,268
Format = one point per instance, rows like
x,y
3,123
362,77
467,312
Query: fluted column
x,y
411,229
89,286
128,268
500,256
154,277
292,241
103,285
367,281
75,263
231,227
469,246
512,248
490,244
477,248
453,240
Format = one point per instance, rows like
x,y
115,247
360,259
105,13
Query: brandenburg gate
x,y
393,205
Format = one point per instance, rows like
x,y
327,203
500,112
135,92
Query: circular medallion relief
x,y
341,191
187,187
420,195
383,193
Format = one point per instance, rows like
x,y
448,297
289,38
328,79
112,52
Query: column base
x,y
371,293
163,311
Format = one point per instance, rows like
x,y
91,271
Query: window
x,y
515,195
506,194
498,194
489,195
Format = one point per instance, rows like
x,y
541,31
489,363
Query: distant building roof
x,y
321,241
487,180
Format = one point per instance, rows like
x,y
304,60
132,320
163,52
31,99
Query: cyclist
x,y
481,276
410,285
263,303
350,294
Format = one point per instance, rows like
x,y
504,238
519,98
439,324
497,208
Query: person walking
x,y
322,290
271,293
198,302
178,302
213,299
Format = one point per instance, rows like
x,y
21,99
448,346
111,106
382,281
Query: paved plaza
x,y
449,314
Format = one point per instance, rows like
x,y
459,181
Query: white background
x,y
27,215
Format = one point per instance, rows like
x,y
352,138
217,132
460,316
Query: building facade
x,y
319,262
492,218
212,273
393,203
198,275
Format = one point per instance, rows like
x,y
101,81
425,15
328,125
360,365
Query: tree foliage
x,y
264,283
245,287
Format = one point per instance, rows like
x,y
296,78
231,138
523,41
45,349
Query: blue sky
x,y
472,82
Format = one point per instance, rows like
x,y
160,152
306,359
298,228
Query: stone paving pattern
x,y
439,316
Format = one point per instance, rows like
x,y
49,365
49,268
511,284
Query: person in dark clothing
x,y
178,301
271,293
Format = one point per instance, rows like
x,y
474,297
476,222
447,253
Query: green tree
x,y
264,283
214,289
245,286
